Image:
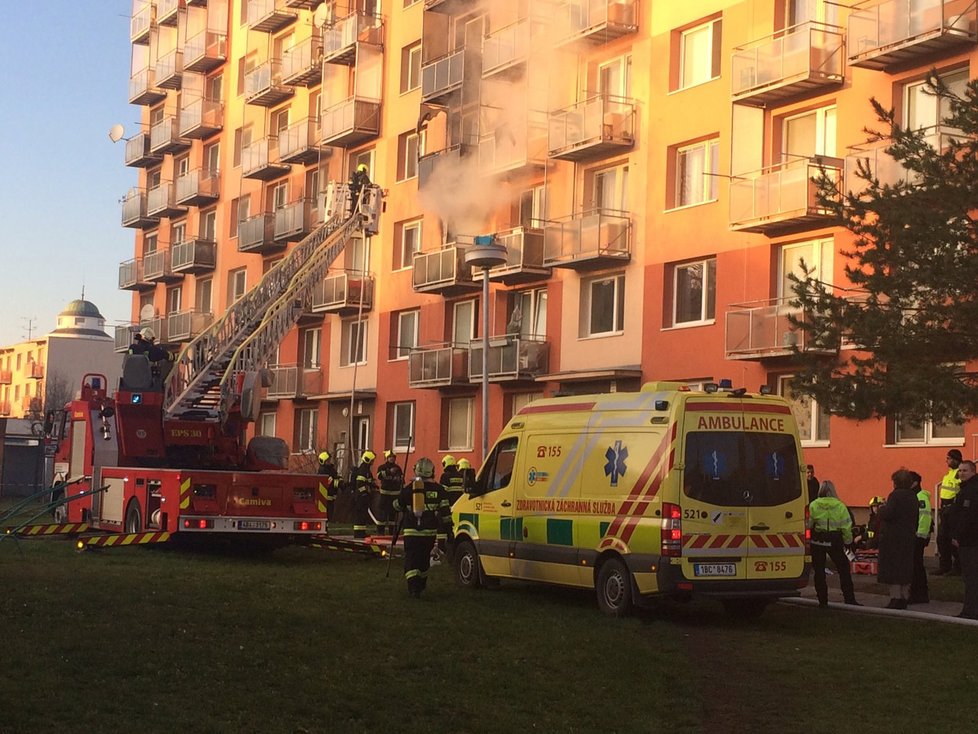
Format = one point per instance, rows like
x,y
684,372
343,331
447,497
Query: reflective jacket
x,y
925,519
425,509
950,484
391,478
829,515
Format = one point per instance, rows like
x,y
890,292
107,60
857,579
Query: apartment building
x,y
646,164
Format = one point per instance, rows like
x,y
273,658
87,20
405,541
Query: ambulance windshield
x,y
741,469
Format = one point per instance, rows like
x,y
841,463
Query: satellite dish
x,y
322,16
116,132
147,312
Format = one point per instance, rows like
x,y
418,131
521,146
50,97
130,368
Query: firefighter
x,y
468,475
426,515
358,179
331,481
364,485
391,483
140,345
452,482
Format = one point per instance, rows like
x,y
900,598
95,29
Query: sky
x,y
65,83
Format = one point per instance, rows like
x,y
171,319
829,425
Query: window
x,y
279,120
521,399
151,242
924,110
410,146
532,317
809,134
609,188
812,419
310,348
817,255
694,292
407,241
699,54
358,254
460,422
405,333
278,195
409,3
174,299
602,306
237,281
214,88
463,323
181,166
696,173
212,158
202,295
806,11
363,156
930,432
242,139
178,232
240,211
208,225
266,424
497,471
410,67
402,425
354,343
305,435
533,207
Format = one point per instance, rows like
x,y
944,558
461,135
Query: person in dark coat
x,y
898,534
813,484
964,536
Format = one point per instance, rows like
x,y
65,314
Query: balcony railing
x,y
134,210
513,148
762,329
302,4
782,197
883,166
294,381
164,137
166,11
441,77
351,122
443,271
182,326
506,48
344,294
439,366
511,357
450,158
804,59
161,201
141,23
596,21
293,221
169,70
131,276
264,85
156,267
598,127
299,142
205,51
201,118
261,160
197,187
193,256
340,41
524,257
143,89
269,16
255,235
138,154
899,32
592,239
302,65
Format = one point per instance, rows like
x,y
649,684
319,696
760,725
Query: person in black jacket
x,y
898,536
964,536
391,482
330,481
425,514
364,485
358,179
813,484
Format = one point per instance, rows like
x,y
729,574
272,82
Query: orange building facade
x,y
646,164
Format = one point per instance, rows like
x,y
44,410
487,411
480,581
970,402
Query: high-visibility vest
x,y
924,517
950,484
830,515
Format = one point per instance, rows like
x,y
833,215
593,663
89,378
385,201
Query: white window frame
x,y
467,416
822,259
311,356
708,190
353,329
927,437
266,424
305,435
409,153
399,442
237,284
708,30
813,415
618,313
402,351
826,134
407,255
174,300
458,323
709,283
203,295
533,305
411,58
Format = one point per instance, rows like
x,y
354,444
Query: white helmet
x,y
147,333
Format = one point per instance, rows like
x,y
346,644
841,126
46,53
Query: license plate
x,y
254,525
715,569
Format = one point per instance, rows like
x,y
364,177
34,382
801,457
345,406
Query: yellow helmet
x,y
324,457
389,454
362,168
448,461
464,464
368,456
876,501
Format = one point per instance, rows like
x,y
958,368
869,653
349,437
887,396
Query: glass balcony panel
x,y
138,154
269,16
134,210
164,137
524,257
442,271
597,127
450,158
201,118
166,12
351,122
141,23
293,221
261,160
437,366
591,239
156,267
443,76
255,235
763,329
169,70
194,256
596,21
781,197
340,41
506,47
161,201
299,142
264,85
143,89
344,293
205,51
199,186
510,358
182,326
302,64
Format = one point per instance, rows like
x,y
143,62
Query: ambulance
x,y
667,492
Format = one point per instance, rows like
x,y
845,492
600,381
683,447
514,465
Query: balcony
x,y
137,152
302,64
131,276
169,70
511,358
302,4
182,326
293,221
506,49
782,198
443,272
142,21
524,257
205,51
440,366
156,267
6,377
596,238
883,166
134,210
143,89
351,122
164,137
166,12
442,78
299,143
596,128
162,201
344,294
596,21
761,329
804,59
123,336
255,235
261,160
264,86
290,381
193,256
449,6
903,32
512,148
269,16
340,41
201,118
198,187
429,164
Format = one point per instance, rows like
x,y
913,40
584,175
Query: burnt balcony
x,y
346,294
5,377
762,329
899,33
255,235
198,187
450,157
164,137
138,154
201,118
142,22
205,51
598,127
166,12
161,201
524,257
302,64
261,160
131,276
340,41
513,149
134,210
299,142
169,70
803,59
290,381
593,239
596,21
156,267
182,326
782,197
442,78
511,358
143,89
507,49
269,16
443,272
264,86
293,221
351,122
438,366
193,256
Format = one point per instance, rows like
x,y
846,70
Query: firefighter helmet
x,y
147,333
876,501
323,457
368,456
464,464
389,454
448,461
362,168
424,468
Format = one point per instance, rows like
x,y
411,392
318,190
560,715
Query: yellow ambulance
x,y
663,492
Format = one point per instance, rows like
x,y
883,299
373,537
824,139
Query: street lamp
x,y
485,254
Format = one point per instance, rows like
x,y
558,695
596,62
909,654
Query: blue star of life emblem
x,y
615,467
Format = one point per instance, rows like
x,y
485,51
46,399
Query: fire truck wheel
x,y
467,570
614,588
134,518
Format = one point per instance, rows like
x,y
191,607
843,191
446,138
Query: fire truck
x,y
166,453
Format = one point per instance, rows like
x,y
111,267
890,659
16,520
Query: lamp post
x,y
485,254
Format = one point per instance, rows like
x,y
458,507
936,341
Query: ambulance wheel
x,y
614,588
134,518
468,571
745,608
